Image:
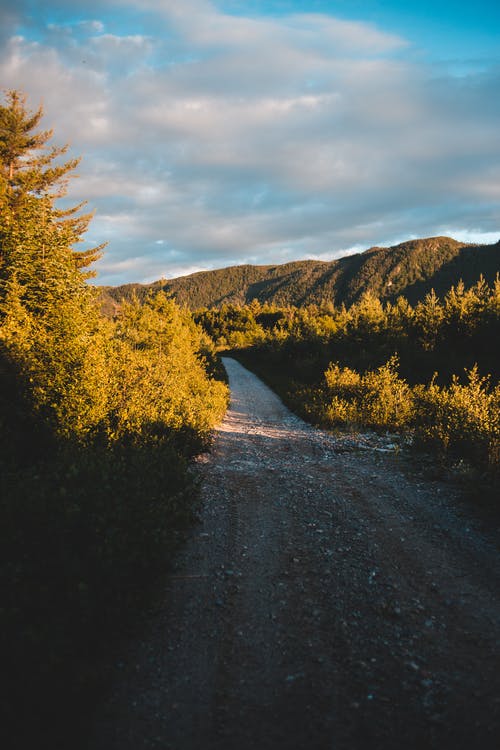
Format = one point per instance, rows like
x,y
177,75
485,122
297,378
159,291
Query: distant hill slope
x,y
410,269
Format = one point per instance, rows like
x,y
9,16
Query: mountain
x,y
410,269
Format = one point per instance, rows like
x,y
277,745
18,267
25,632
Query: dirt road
x,y
329,598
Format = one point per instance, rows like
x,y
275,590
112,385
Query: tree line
x,y
98,417
431,369
410,269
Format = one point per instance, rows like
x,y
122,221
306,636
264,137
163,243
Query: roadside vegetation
x,y
98,418
430,370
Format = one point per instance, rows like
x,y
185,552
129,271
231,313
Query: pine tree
x,y
50,327
31,180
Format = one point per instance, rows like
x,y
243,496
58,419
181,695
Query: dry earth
x,y
329,598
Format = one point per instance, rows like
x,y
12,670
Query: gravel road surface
x,y
332,596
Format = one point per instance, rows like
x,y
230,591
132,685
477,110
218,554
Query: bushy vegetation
x,y
378,398
462,419
431,369
98,418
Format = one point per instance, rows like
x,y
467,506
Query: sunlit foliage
x,y
97,420
378,398
159,378
462,419
429,368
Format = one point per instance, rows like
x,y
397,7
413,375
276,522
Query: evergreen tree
x,y
31,180
50,327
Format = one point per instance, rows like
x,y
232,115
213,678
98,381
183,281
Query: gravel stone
x,y
257,645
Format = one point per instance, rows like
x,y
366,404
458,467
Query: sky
x,y
214,133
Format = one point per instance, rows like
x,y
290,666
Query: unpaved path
x,y
327,599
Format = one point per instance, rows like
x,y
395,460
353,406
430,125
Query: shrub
x,y
160,383
387,399
462,420
379,398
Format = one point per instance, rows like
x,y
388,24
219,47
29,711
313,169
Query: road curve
x,y
330,597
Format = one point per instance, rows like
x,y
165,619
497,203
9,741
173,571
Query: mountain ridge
x,y
410,269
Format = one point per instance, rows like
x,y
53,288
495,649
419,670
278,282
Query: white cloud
x,y
235,139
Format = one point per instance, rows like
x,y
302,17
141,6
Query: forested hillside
x,y
410,269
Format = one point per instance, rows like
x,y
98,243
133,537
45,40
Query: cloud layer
x,y
211,140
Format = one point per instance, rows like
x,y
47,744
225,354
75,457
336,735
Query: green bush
x,y
379,398
158,378
461,419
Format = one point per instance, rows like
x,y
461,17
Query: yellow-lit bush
x,y
379,398
159,378
60,353
387,399
461,419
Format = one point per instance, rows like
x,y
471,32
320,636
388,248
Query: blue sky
x,y
215,132
440,28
